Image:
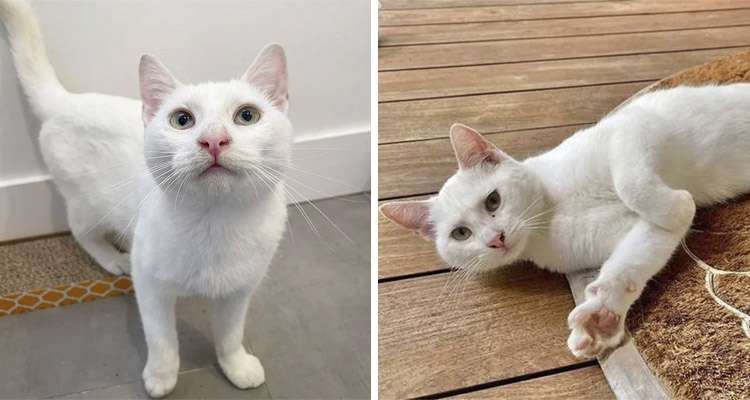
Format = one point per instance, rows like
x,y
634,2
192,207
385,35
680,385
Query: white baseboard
x,y
334,164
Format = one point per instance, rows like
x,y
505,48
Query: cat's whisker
x,y
314,206
270,181
461,276
164,181
293,167
256,173
109,212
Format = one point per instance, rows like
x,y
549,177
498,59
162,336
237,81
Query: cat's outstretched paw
x,y
159,385
243,370
595,329
119,265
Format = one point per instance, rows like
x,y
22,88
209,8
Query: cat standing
x,y
197,196
619,195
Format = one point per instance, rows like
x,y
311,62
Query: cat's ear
x,y
412,215
157,83
472,148
269,74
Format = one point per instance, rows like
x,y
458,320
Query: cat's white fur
x,y
193,230
620,195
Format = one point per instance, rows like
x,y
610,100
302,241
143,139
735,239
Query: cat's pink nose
x,y
498,242
214,144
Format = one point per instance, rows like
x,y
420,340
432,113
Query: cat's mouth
x,y
502,249
215,168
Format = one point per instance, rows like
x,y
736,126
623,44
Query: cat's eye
x,y
181,119
461,233
492,202
247,116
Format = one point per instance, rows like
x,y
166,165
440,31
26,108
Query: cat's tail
x,y
35,72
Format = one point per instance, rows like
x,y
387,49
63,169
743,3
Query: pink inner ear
x,y
413,215
471,148
269,73
156,84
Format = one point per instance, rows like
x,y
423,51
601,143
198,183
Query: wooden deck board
x,y
501,326
414,4
581,384
527,75
431,119
412,168
545,11
526,50
499,78
566,27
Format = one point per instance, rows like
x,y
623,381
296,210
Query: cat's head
x,y
217,138
477,218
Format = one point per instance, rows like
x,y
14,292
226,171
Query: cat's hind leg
x,y
243,369
642,190
103,251
598,324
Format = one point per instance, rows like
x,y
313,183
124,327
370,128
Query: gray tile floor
x,y
309,323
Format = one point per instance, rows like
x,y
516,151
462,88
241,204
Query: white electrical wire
x,y
711,273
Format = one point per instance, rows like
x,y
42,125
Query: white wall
x,y
95,46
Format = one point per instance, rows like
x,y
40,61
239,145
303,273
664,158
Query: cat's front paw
x,y
159,384
118,265
595,329
243,370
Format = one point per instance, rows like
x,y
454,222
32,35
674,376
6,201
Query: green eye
x,y
461,233
247,116
181,119
492,202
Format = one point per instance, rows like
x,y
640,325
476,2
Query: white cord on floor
x,y
712,272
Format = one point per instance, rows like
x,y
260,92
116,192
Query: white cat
x,y
620,195
207,200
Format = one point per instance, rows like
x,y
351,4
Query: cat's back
x,y
88,130
93,147
691,101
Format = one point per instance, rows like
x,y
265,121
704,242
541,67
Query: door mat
x,y
51,271
693,345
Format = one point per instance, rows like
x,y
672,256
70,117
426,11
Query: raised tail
x,y
35,72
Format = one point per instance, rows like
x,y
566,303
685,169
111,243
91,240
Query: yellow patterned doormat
x,y
79,292
52,271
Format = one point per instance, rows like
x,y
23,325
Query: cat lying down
x,y
620,195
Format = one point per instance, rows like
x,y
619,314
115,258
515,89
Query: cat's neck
x,y
183,205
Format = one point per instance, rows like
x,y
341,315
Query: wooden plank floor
x,y
528,74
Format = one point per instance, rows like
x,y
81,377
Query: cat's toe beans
x,y
243,370
607,321
595,329
580,343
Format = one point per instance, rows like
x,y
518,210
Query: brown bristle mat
x,y
695,347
